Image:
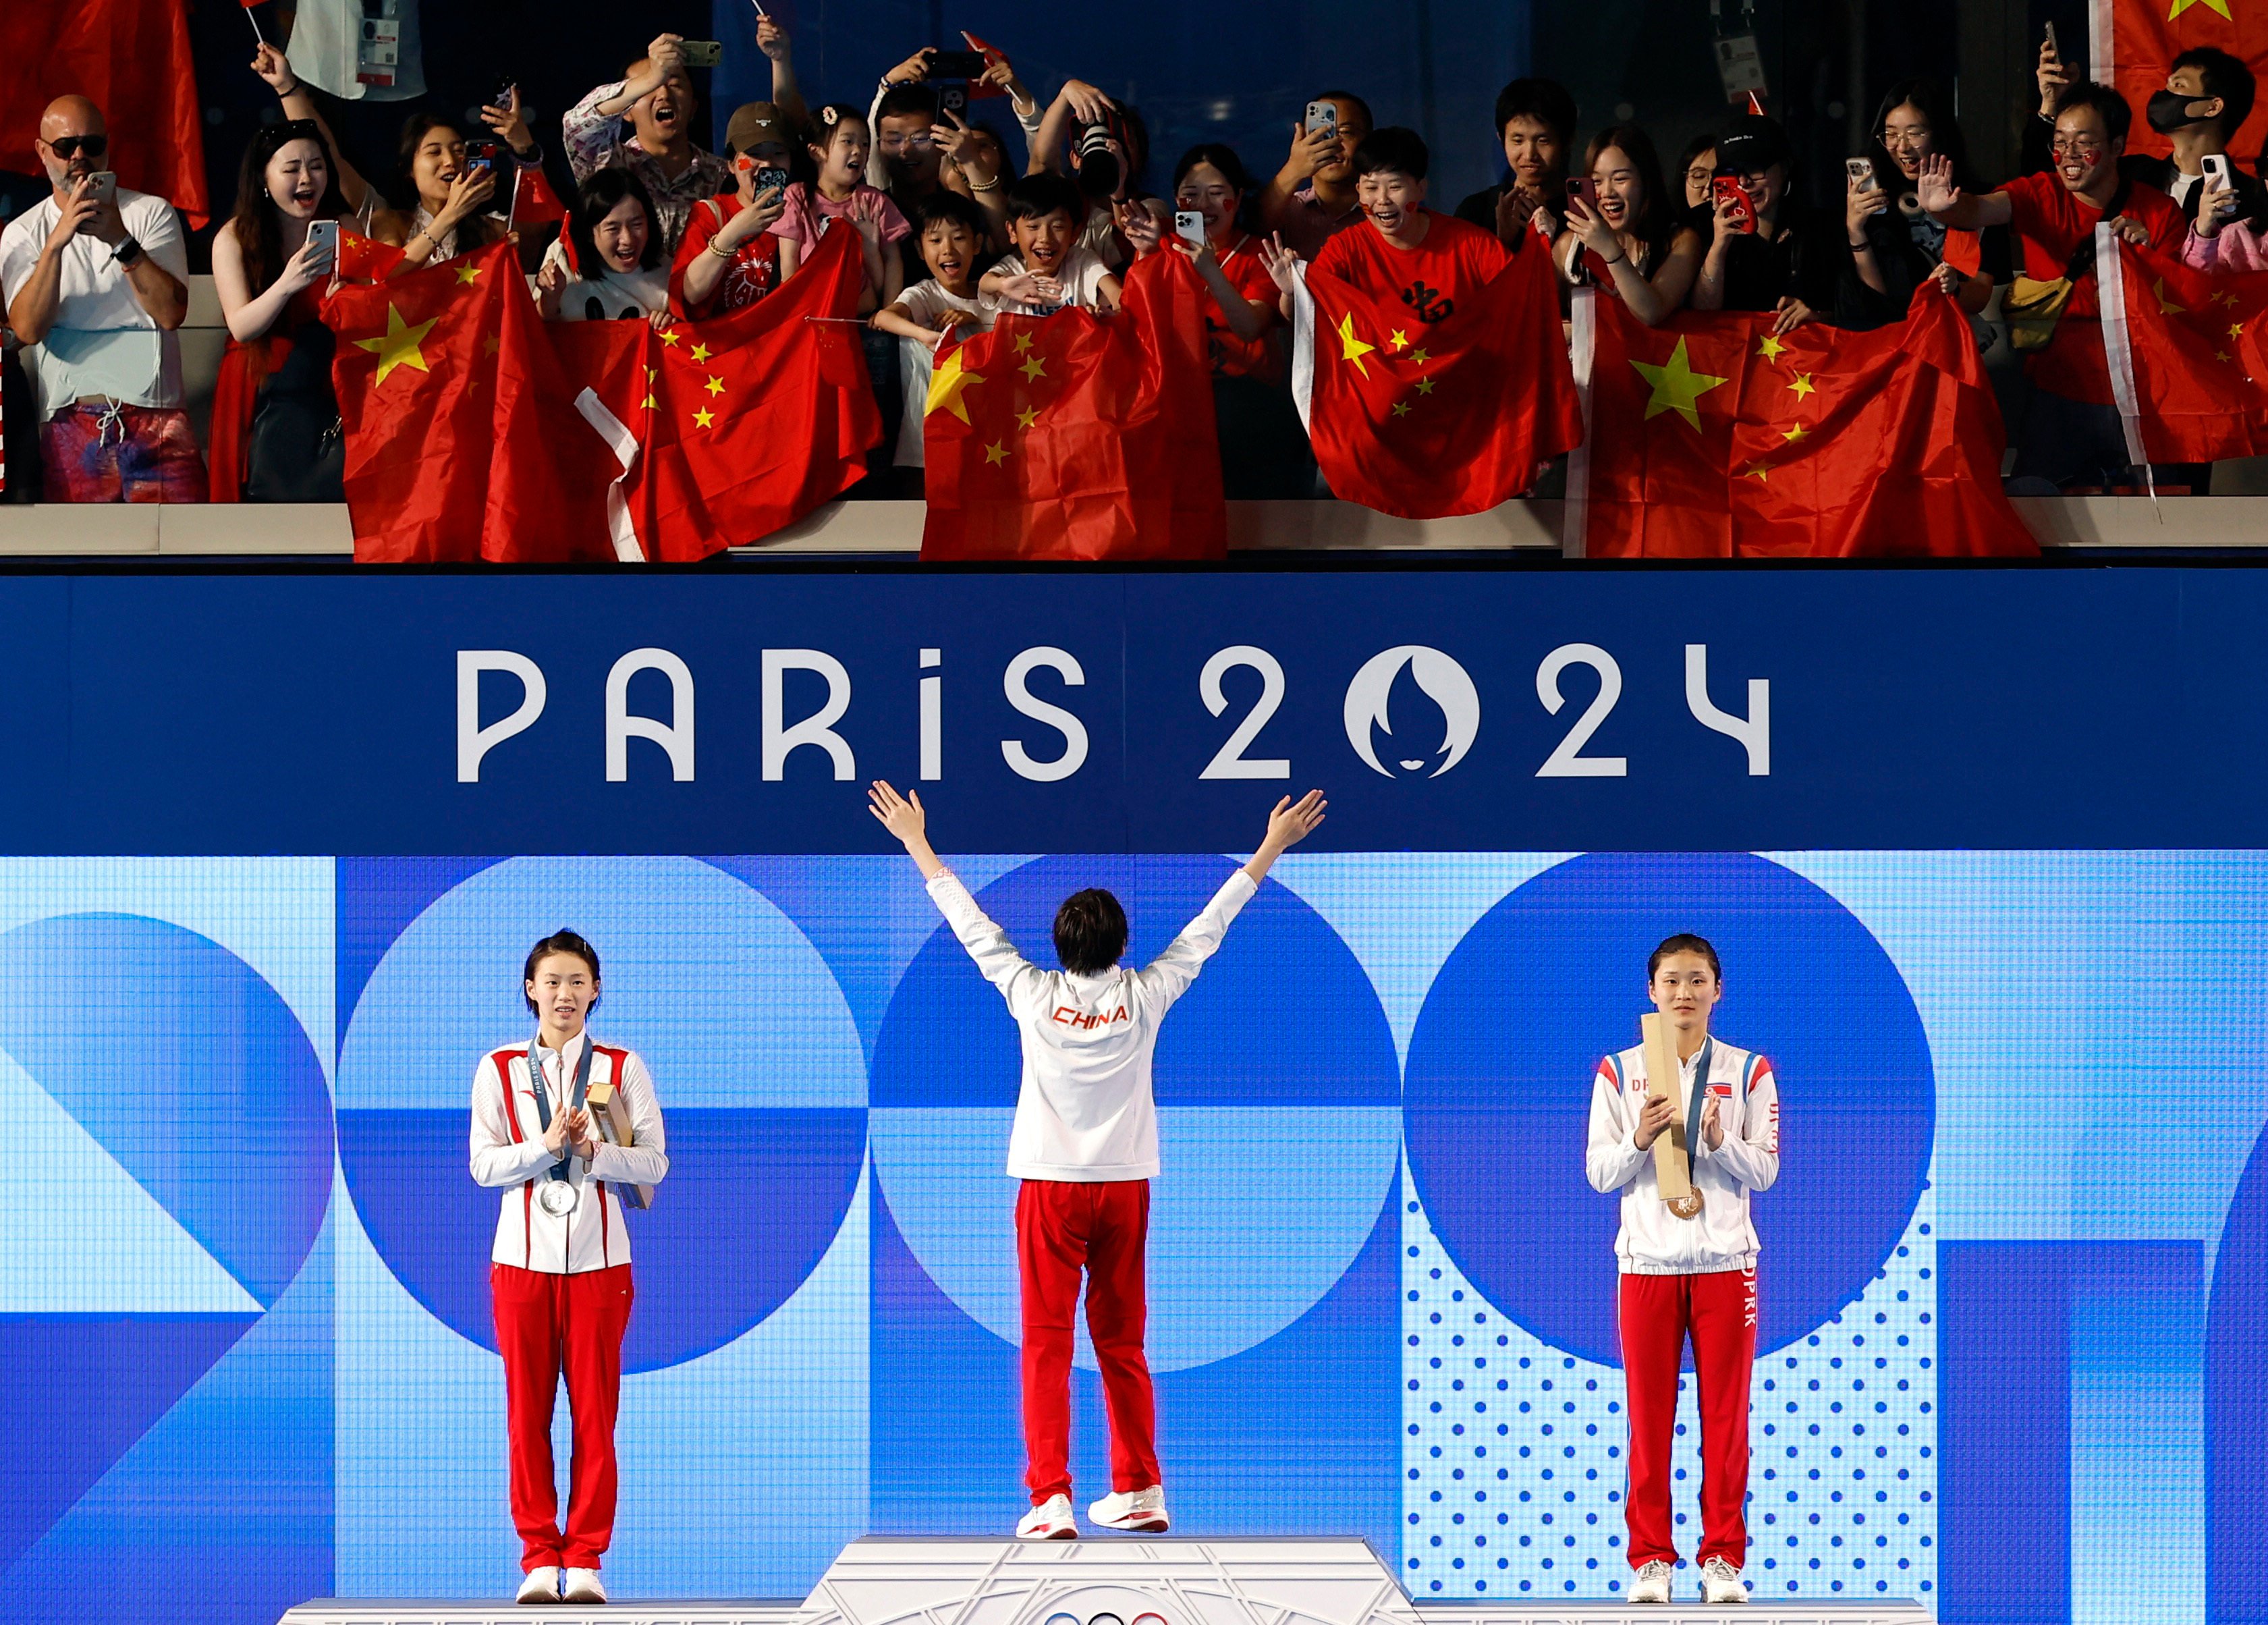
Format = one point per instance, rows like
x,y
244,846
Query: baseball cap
x,y
1751,144
756,124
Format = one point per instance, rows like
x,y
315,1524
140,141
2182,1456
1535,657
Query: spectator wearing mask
x,y
1636,243
1895,244
656,95
1050,266
1263,448
2072,433
1791,262
1535,122
619,272
1314,195
951,232
271,281
730,258
96,283
2208,95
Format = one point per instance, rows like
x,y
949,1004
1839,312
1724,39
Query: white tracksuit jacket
x,y
1652,1240
1085,1112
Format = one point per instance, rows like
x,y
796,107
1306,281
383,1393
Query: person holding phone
x,y
1766,253
271,268
656,95
1896,246
1623,235
1313,197
2207,96
729,258
96,282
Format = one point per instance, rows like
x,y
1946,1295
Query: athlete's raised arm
x,y
904,817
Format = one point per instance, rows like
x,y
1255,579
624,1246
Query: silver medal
x,y
557,1197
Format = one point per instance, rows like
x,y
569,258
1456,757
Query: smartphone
x,y
105,187
1862,172
771,178
1728,188
2054,51
1323,116
957,65
1189,226
2218,169
702,53
1584,187
324,235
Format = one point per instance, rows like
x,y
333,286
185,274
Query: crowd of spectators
x,y
960,221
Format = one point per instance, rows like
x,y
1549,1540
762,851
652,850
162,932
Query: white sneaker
x,y
1720,1582
1140,1511
540,1585
584,1586
1050,1520
1651,1583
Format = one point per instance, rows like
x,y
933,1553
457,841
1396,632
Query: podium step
x,y
1108,1580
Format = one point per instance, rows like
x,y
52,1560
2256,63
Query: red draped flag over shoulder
x,y
2135,42
1711,436
1455,420
1076,437
2183,349
131,59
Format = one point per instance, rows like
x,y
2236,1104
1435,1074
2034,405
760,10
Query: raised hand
x,y
510,122
1311,150
914,70
1294,821
772,39
1087,104
1031,287
1282,264
77,213
903,816
1934,187
1138,226
269,63
2052,77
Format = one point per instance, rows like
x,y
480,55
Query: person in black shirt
x,y
1535,122
1894,246
1793,261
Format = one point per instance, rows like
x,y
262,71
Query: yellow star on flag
x,y
1796,433
1758,472
1769,346
399,348
1351,347
489,345
2181,6
1400,340
1025,418
946,384
701,352
649,404
1023,342
1033,367
670,335
2229,299
1401,408
2221,354
1424,385
467,275
2166,306
2237,330
1803,385
995,453
715,386
705,418
1419,356
1677,387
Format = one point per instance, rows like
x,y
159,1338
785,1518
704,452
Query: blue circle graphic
x,y
1497,1096
756,1057
1277,1096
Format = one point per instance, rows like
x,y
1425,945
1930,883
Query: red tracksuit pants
x,y
1063,1228
1718,1311
547,1324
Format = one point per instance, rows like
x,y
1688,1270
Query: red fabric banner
x,y
131,59
2145,36
2197,397
1455,420
1710,438
1072,437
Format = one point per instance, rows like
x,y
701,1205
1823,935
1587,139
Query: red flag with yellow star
x,y
1073,436
757,417
2195,397
2135,42
1427,420
416,373
1711,437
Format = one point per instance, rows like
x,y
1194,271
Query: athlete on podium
x,y
1084,1144
560,1270
1689,1261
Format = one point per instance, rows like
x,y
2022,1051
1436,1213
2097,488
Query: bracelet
x,y
294,90
1862,247
993,186
722,253
1620,259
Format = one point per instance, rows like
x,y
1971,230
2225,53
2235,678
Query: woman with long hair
x,y
446,189
1634,243
1894,246
619,271
269,279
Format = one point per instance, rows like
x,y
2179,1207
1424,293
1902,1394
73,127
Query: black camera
x,y
1098,164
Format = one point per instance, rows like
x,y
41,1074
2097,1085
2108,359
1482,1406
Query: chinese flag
x,y
366,259
131,59
2188,338
416,370
1073,436
1710,438
2145,36
1444,418
534,200
757,417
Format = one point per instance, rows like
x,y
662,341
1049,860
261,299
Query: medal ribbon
x,y
1693,1110
582,1085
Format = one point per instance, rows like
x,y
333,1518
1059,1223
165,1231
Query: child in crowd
x,y
730,256
1051,267
950,230
619,272
841,193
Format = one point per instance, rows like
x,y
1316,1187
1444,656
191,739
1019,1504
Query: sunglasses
x,y
68,147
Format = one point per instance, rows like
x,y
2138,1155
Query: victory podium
x,y
1110,1580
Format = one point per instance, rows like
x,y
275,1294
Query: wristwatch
x,y
126,253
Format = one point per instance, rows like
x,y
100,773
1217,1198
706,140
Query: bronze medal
x,y
1686,1207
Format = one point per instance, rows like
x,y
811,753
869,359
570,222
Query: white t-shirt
x,y
1081,275
1085,1113
926,303
610,295
103,342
